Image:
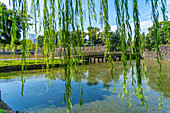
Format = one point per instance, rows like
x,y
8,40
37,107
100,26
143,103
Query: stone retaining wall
x,y
165,52
86,49
29,67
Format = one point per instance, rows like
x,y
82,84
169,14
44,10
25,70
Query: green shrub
x,y
2,111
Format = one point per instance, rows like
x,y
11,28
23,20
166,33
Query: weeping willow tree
x,y
66,16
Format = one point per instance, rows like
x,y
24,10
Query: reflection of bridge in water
x,y
4,106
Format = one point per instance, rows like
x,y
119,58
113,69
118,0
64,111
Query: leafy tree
x,y
6,17
162,32
40,40
93,29
94,36
98,38
30,45
114,40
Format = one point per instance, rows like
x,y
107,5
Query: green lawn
x,y
28,62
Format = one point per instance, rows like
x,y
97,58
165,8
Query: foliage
x,y
40,41
162,33
78,41
30,45
6,17
98,37
93,33
71,15
114,40
2,111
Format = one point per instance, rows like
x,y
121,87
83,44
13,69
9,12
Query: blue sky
x,y
144,10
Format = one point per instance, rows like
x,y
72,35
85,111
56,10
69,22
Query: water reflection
x,y
89,88
153,78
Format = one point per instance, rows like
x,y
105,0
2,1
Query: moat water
x,y
93,90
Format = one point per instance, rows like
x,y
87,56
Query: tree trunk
x,y
3,49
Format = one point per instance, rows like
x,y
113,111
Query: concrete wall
x,y
165,52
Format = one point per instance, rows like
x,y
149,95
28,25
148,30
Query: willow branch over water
x,y
64,20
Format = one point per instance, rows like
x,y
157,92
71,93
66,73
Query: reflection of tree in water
x,y
92,83
102,72
106,85
93,74
153,77
60,75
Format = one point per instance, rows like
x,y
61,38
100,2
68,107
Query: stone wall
x,y
165,52
86,49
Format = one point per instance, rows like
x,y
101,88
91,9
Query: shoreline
x,y
30,67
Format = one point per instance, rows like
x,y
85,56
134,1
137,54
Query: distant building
x,y
32,37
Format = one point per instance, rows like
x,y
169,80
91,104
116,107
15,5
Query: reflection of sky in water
x,y
86,75
98,93
36,93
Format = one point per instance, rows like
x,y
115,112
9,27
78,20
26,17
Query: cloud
x,y
145,16
145,24
5,2
86,31
168,2
113,28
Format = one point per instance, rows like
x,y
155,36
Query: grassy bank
x,y
28,62
2,111
17,56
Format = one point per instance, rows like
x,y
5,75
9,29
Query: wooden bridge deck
x,y
101,57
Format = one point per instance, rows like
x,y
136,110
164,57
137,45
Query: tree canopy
x,y
163,33
6,25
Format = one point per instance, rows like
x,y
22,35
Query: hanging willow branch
x,y
137,43
155,15
165,18
104,21
123,24
70,17
52,31
35,10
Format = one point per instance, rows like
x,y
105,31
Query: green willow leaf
x,y
63,25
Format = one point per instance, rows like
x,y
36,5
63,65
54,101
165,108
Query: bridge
x,y
90,57
96,57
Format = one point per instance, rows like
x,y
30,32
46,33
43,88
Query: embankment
x,y
165,52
